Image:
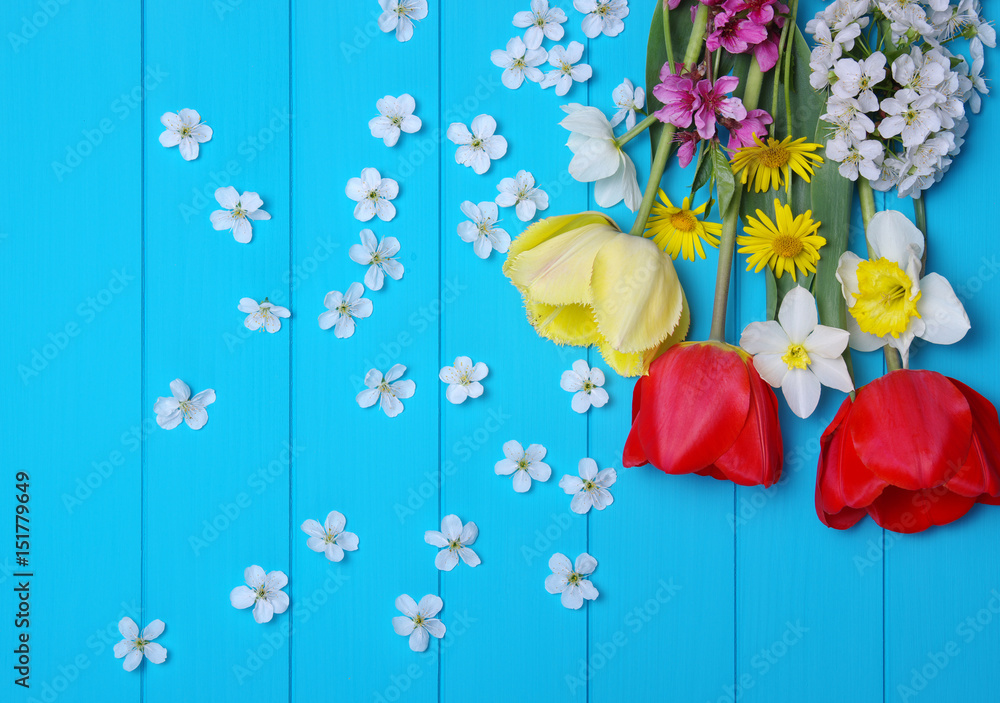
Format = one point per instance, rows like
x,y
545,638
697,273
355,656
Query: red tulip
x,y
914,449
702,408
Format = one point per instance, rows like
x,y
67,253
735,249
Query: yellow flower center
x,y
884,303
796,357
774,156
787,245
574,578
419,620
684,221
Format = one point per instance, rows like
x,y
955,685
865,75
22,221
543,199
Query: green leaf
x,y
703,171
725,182
771,295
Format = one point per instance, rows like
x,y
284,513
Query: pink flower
x,y
758,11
766,52
688,144
678,97
672,4
713,101
741,132
733,34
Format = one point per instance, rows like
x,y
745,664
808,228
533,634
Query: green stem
x,y
636,131
691,55
893,361
730,220
666,37
920,215
790,52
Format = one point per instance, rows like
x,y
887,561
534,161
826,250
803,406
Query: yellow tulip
x,y
585,282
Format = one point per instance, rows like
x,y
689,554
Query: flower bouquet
x,y
778,136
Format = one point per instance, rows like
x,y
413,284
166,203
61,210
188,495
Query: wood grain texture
x,y
119,284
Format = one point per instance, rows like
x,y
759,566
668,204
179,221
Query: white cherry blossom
x,y
417,620
134,645
567,69
519,62
387,390
542,22
525,464
240,210
478,147
590,488
628,100
479,229
263,592
453,540
569,580
399,15
185,129
395,116
330,538
603,16
378,257
262,316
373,195
170,411
463,379
585,385
521,194
343,309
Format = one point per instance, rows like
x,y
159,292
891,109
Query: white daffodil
x,y
519,62
263,592
418,621
386,391
590,488
476,148
585,385
186,129
887,300
542,22
463,379
378,257
262,316
797,354
395,116
399,15
564,61
568,579
134,646
598,159
373,195
239,210
330,537
521,194
454,540
525,464
628,100
343,308
479,229
170,411
603,16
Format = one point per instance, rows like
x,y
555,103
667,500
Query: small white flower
x,y
330,537
419,620
476,148
378,257
186,129
590,489
911,116
585,385
479,229
463,379
857,79
521,194
395,116
262,316
797,354
134,645
568,579
454,540
386,391
343,308
239,211
525,464
603,16
373,195
263,592
564,61
628,100
519,62
855,157
399,15
170,411
542,22
598,159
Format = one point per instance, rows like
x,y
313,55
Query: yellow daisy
x,y
767,166
784,244
677,230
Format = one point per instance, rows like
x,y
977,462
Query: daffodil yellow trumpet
x,y
585,282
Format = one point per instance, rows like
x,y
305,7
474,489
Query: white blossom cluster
x,y
898,97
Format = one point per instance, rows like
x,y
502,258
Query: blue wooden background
x,y
115,284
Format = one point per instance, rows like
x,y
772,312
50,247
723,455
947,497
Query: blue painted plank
x,y
382,473
71,382
216,500
668,624
941,636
